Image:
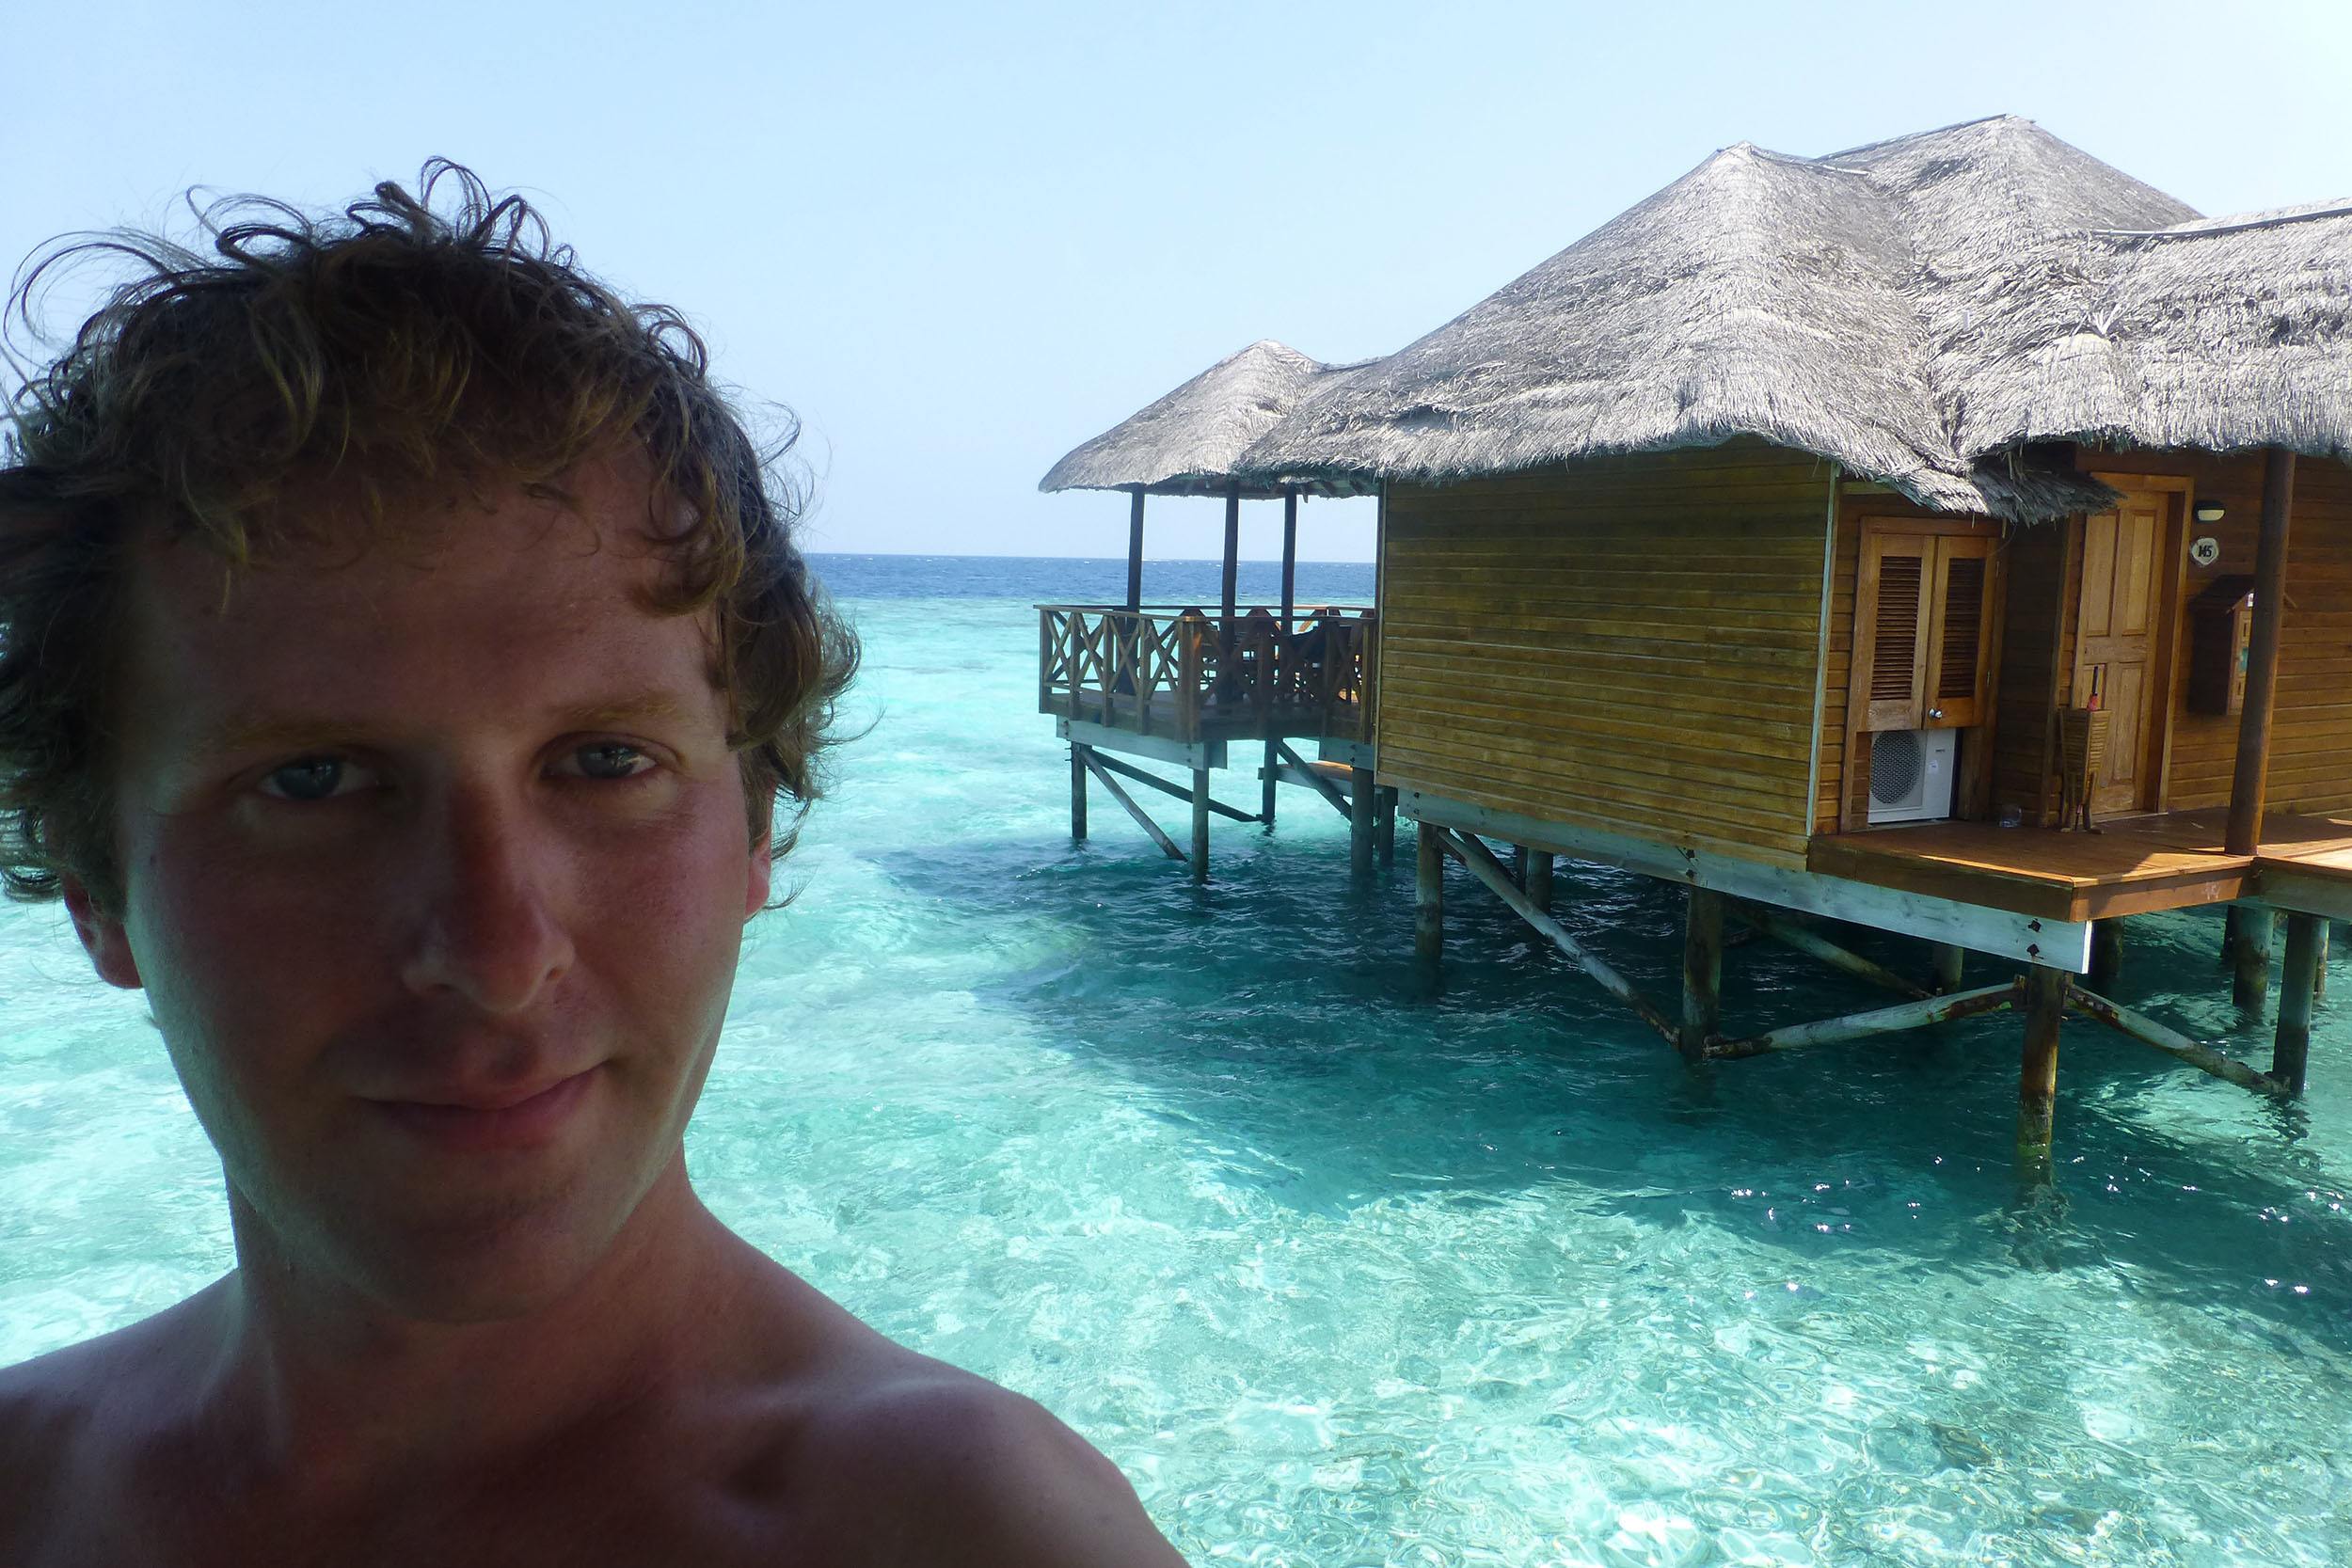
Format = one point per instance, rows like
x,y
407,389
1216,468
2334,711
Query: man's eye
x,y
612,760
311,779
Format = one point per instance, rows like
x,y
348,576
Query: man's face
x,y
437,869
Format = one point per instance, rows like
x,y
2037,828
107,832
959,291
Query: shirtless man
x,y
400,656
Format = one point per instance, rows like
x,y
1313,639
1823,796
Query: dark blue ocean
x,y
1345,1269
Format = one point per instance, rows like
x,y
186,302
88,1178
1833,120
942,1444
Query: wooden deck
x,y
1163,714
2135,865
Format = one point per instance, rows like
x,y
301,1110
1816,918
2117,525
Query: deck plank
x,y
2135,865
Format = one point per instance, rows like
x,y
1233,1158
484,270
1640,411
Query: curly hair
x,y
382,354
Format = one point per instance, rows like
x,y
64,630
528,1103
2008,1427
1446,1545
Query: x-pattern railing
x,y
1161,669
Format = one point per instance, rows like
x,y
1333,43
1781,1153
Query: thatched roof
x,y
1186,442
1917,310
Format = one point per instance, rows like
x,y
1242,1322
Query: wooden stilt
x,y
2036,1081
1135,549
2147,1031
1233,556
1878,1020
1290,556
1428,893
2250,957
1360,807
1099,760
1077,793
2234,923
1200,824
1313,775
1272,779
1481,863
2106,953
1388,827
1539,867
1782,930
1159,835
2290,1051
2250,780
1947,959
1519,867
2319,970
1702,970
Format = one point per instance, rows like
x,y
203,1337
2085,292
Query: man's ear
x,y
103,938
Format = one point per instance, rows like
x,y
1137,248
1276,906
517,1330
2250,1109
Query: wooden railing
x,y
1176,672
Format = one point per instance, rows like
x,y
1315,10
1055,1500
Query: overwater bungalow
x,y
1950,536
1176,684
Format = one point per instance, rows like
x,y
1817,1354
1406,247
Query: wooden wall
x,y
2311,756
1628,644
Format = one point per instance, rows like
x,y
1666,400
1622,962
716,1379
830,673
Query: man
x,y
401,654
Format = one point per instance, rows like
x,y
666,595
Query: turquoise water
x,y
1344,1271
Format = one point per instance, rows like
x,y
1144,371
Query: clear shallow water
x,y
1342,1272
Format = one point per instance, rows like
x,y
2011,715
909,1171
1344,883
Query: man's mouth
x,y
523,1118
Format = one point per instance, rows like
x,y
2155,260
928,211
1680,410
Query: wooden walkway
x,y
2134,865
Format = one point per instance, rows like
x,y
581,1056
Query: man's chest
x,y
578,1513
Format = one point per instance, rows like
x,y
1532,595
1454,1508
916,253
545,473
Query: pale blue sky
x,y
959,240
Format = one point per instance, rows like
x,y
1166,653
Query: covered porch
x,y
1178,684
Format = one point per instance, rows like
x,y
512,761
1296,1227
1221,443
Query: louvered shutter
x,y
1960,633
1891,628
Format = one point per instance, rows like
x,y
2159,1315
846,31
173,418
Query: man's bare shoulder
x,y
57,1409
927,1463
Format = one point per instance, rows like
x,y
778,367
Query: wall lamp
x,y
2210,512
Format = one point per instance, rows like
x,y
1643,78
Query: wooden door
x,y
1960,635
2117,646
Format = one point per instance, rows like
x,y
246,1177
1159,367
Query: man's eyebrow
x,y
261,731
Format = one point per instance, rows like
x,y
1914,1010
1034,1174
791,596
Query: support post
x,y
2249,955
1388,827
1233,554
1077,793
1272,779
1539,879
1917,1014
2251,779
1135,548
1429,894
1948,960
1290,557
2147,1031
1099,762
2106,955
2037,1080
1702,971
2319,969
1311,774
1200,824
1480,863
1781,929
1143,819
1360,806
2290,1051
1519,855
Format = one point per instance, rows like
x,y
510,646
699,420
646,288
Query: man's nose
x,y
491,926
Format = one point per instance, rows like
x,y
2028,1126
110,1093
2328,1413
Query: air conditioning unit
x,y
1911,775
